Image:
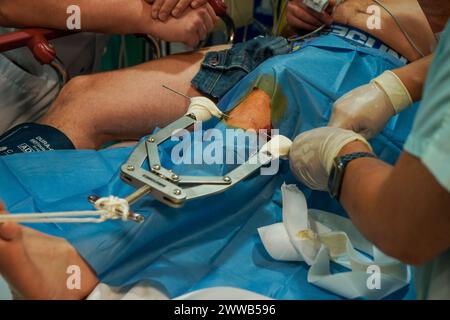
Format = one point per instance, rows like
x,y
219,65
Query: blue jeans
x,y
221,70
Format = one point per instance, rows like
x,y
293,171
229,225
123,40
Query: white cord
x,y
402,28
110,208
113,208
397,21
156,46
298,38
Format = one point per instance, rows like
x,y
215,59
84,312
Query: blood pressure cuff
x,y
33,137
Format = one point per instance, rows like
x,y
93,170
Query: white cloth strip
x,y
319,238
109,208
55,217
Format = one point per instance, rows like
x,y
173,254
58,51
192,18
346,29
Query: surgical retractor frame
x,y
175,190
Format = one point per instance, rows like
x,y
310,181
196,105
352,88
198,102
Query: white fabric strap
x,y
278,147
110,208
204,109
319,238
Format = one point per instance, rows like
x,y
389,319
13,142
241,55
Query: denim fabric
x,y
221,70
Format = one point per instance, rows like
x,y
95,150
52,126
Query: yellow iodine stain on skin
x,y
262,107
279,101
253,113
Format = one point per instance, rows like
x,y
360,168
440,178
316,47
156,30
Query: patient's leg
x,y
125,104
35,264
253,112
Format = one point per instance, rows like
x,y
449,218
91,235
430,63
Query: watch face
x,y
336,176
331,180
338,171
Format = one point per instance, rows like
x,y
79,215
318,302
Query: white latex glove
x,y
313,152
367,109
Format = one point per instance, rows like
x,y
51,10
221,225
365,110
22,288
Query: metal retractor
x,y
175,190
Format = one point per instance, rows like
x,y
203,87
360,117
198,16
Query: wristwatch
x,y
338,171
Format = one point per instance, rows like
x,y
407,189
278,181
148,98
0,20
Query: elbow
x,y
410,258
408,244
407,252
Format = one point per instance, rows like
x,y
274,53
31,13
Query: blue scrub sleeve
x,y
430,137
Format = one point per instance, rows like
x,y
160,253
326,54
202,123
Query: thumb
x,y
342,122
339,120
8,231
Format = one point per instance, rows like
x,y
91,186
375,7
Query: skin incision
x,y
253,112
263,108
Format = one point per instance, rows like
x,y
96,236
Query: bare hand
x,y
163,9
301,17
191,28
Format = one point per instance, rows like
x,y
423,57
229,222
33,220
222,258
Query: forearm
x,y
113,16
362,195
414,75
437,13
400,209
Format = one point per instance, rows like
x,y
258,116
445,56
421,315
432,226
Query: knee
x,y
70,108
75,88
73,99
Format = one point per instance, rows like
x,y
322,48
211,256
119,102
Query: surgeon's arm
x,y
367,109
437,12
402,209
414,75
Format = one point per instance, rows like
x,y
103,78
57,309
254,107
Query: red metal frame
x,y
37,40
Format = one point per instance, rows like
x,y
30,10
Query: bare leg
x,y
124,104
35,264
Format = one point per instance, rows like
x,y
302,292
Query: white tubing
x,y
109,208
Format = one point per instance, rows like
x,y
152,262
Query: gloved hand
x,y
163,9
313,152
367,109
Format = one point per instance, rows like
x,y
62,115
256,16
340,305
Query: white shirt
x,y
27,89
